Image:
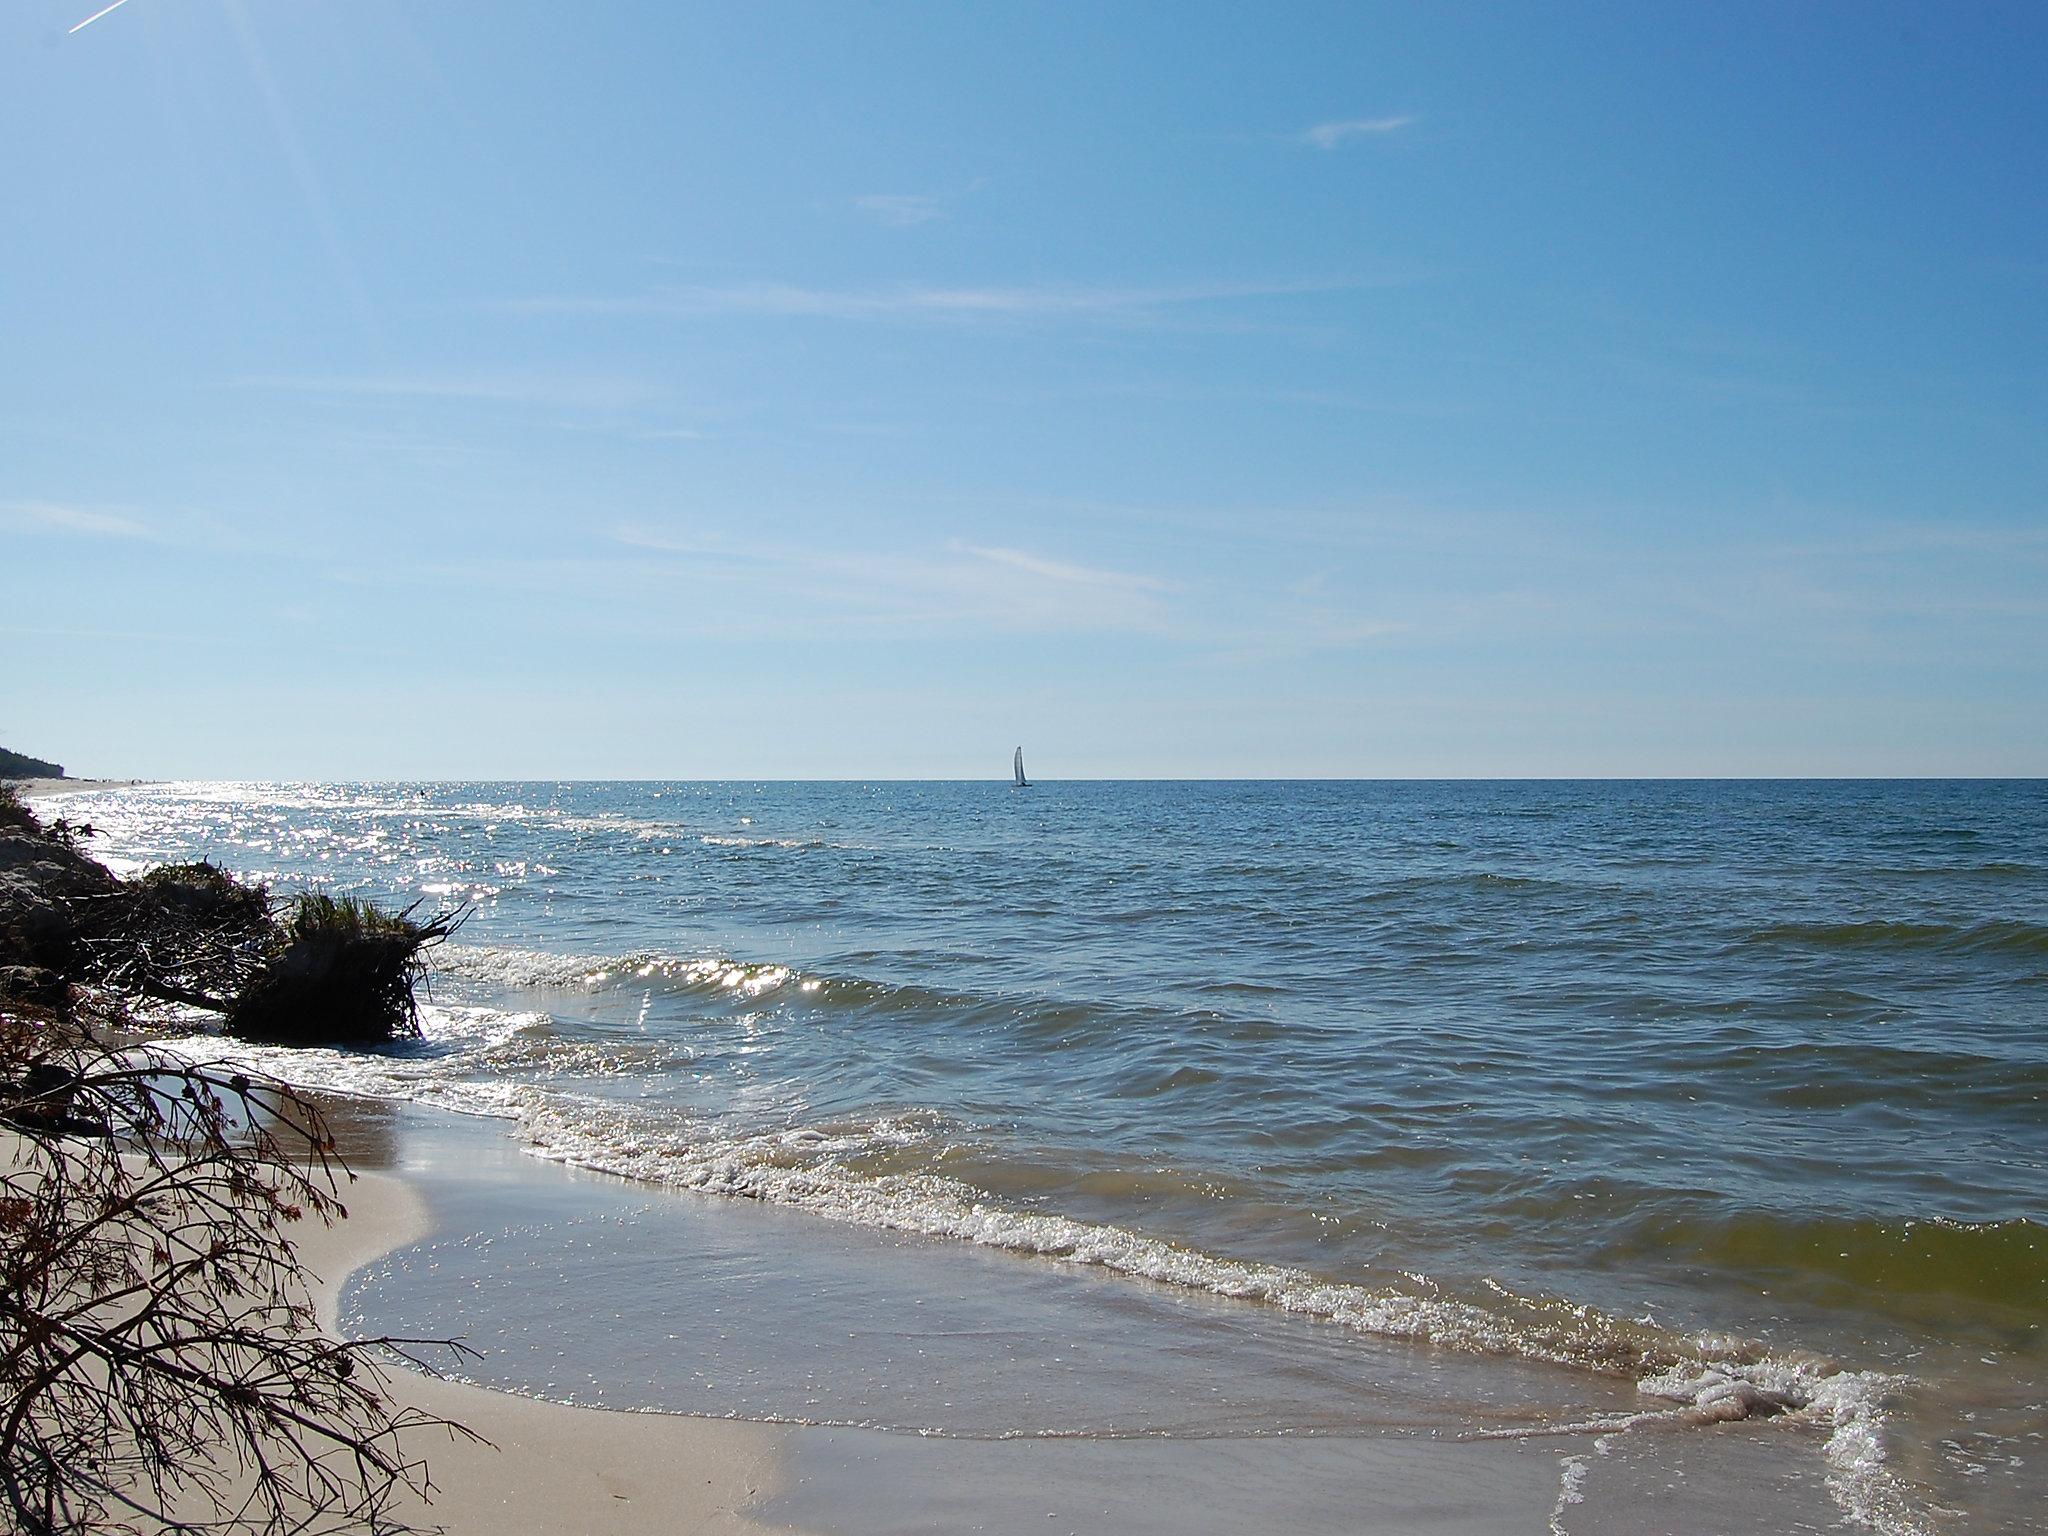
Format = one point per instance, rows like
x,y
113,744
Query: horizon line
x,y
84,783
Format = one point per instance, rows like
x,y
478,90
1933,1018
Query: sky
x,y
494,388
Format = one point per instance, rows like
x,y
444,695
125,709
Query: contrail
x,y
95,16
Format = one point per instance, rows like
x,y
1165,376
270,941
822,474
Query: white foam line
x,y
416,1072
1706,1379
1571,1484
542,969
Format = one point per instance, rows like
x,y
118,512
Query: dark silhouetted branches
x,y
159,1357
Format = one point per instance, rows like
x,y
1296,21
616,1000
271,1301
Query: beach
x,y
1177,1158
39,790
546,1467
560,1468
1138,769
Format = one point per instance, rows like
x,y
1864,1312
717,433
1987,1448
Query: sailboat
x,y
1017,767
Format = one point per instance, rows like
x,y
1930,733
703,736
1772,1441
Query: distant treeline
x,y
19,765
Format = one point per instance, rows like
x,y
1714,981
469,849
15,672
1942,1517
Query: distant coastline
x,y
51,789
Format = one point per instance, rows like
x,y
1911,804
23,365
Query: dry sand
x,y
549,1467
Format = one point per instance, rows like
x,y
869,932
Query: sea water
x,y
1702,1102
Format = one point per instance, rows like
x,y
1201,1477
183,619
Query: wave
x,y
430,1071
1701,1377
1704,1377
530,969
718,980
2000,936
1992,869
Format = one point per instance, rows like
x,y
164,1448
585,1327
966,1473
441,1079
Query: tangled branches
x,y
181,933
159,1355
341,971
318,969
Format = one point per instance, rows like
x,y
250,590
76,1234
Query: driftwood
x,y
315,969
184,933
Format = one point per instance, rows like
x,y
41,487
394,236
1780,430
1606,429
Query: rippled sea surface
x,y
1733,1093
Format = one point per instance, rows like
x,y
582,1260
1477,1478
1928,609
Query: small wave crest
x,y
1705,1378
537,969
2002,936
717,980
435,1070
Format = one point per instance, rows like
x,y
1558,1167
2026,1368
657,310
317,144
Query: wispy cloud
x,y
796,587
1330,135
901,209
1077,302
57,516
959,584
636,537
1061,571
555,390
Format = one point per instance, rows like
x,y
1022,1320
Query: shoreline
x,y
56,789
540,1222
548,1466
619,1284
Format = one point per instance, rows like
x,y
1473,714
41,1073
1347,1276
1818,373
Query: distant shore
x,y
52,789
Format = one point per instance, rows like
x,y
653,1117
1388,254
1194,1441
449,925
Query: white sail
x,y
1017,767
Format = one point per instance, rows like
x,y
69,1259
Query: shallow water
x,y
1672,1082
953,1388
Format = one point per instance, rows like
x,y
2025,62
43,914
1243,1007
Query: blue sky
x,y
651,390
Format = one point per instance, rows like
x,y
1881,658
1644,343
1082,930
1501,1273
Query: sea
x,y
1238,1109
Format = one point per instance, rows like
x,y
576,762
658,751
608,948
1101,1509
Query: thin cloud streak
x,y
545,389
967,586
1058,570
794,590
963,584
1328,136
95,16
901,209
943,304
80,520
668,544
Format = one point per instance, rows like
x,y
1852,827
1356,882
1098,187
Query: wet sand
x,y
548,1467
739,1290
552,1467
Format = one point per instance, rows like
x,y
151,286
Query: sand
x,y
554,1468
33,790
548,1467
746,1288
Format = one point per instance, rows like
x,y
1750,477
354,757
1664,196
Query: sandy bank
x,y
56,789
548,1468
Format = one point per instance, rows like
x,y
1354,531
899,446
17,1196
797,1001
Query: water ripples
x,y
1641,1046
